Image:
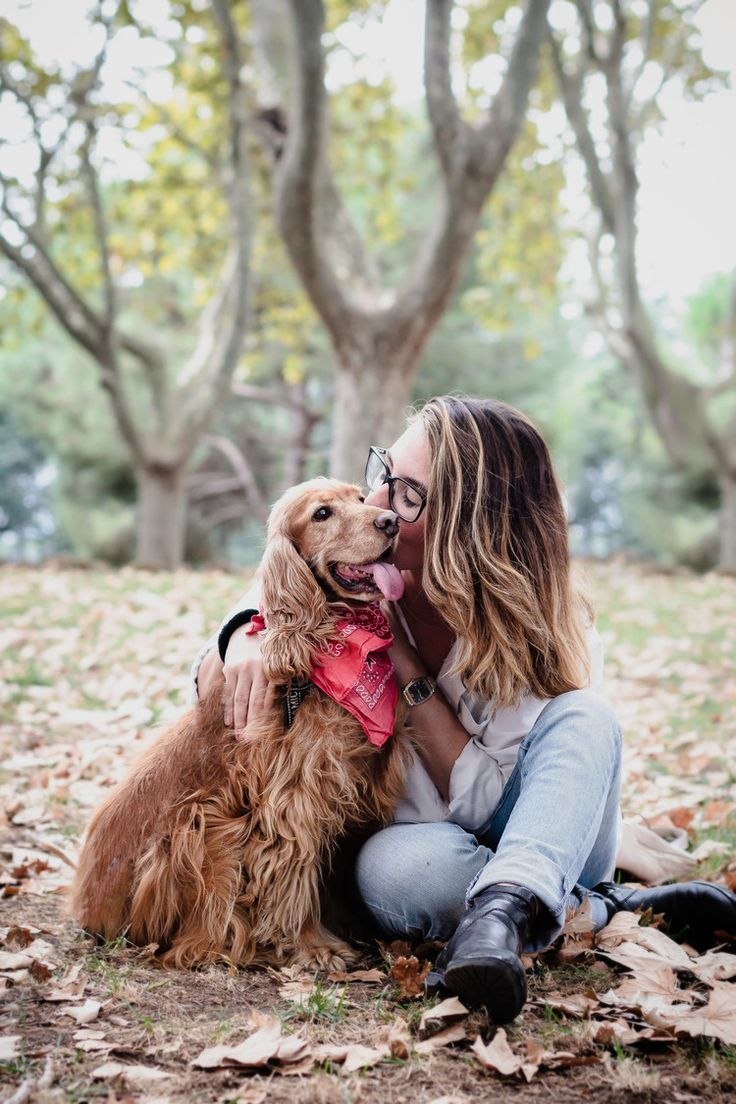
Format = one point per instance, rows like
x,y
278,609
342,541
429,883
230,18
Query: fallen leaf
x,y
716,1019
9,1047
351,1057
409,976
263,1046
369,977
298,992
577,1004
17,936
134,1075
70,987
448,1035
397,1037
714,966
84,1013
580,920
14,960
497,1055
445,1010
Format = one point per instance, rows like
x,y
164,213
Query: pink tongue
x,y
388,580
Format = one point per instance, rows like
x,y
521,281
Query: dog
x,y
217,849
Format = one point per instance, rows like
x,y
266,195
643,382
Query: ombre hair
x,y
496,560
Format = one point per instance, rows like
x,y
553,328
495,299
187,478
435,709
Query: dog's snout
x,y
387,521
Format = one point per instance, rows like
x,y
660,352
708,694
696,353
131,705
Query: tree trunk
x,y
370,409
727,560
161,517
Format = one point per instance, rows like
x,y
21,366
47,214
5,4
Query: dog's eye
x,y
322,514
361,498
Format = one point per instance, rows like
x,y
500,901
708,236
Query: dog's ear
x,y
295,608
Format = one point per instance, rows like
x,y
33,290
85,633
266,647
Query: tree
x,y
629,49
64,118
378,331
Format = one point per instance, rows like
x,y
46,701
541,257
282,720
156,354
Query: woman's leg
x,y
556,824
555,829
413,878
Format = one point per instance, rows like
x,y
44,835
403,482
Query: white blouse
x,y
484,765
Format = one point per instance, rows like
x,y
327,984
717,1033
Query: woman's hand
x,y
247,691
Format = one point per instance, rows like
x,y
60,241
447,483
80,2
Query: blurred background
x,y
238,239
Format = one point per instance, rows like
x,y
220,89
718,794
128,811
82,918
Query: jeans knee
x,y
594,719
413,877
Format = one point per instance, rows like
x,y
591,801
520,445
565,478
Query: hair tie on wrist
x,y
227,630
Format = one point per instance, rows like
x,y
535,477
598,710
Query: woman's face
x,y
409,458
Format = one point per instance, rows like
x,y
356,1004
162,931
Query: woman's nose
x,y
378,497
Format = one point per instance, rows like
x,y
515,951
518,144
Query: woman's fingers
x,y
236,690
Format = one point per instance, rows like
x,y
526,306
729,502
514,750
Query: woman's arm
x,y
438,736
246,691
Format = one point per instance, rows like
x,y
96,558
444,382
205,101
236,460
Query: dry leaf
x,y
133,1075
70,987
14,960
714,966
409,975
577,1004
396,1037
448,1035
445,1010
9,1047
369,977
263,1046
716,1019
84,1013
351,1057
17,936
298,991
497,1055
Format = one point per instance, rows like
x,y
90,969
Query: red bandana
x,y
356,671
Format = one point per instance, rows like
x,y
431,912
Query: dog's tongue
x,y
388,580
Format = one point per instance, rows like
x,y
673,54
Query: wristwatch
x,y
419,690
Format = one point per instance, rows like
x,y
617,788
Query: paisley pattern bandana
x,y
355,670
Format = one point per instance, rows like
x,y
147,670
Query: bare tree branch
x,y
571,87
449,131
243,472
301,167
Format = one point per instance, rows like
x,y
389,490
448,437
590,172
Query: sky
x,y
687,171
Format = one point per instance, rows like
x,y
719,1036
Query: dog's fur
x,y
217,848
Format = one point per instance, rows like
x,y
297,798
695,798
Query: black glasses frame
x,y
392,480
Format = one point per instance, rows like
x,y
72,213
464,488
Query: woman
x,y
511,811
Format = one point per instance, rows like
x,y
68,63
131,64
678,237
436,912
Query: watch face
x,y
418,691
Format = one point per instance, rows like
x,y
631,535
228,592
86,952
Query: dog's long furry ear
x,y
295,609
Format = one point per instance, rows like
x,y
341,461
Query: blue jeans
x,y
553,831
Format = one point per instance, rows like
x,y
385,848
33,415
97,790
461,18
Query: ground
x,y
93,659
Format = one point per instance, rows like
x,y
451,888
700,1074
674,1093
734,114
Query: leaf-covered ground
x,y
91,660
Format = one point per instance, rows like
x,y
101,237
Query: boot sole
x,y
496,984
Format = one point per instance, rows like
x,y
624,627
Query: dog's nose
x,y
388,522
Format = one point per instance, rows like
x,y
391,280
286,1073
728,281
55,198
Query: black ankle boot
x,y
698,912
481,964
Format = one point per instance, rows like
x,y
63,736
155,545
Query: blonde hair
x,y
496,552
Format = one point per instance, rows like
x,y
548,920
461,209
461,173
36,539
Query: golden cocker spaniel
x,y
216,848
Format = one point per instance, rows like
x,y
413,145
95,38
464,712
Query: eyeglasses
x,y
404,499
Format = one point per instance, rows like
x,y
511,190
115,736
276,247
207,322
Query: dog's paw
x,y
333,956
